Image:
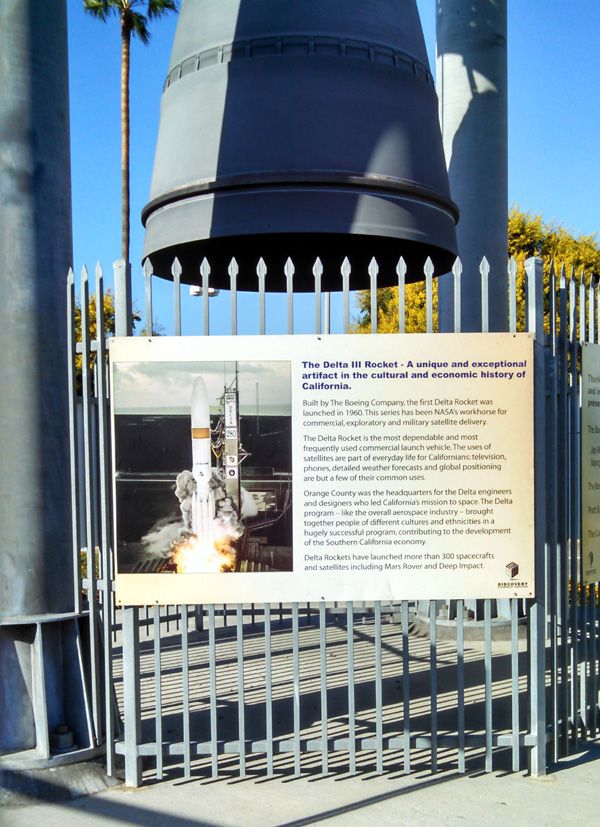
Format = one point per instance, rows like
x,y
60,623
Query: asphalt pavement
x,y
567,795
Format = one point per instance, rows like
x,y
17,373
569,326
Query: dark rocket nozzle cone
x,y
299,129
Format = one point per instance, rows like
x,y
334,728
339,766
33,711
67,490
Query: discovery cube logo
x,y
512,569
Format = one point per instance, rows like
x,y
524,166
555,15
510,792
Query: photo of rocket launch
x,y
203,467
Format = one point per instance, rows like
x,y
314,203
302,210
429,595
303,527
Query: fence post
x,y
130,615
534,270
123,305
131,696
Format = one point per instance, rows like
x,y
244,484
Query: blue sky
x,y
554,122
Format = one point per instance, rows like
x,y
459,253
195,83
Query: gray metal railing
x,y
350,684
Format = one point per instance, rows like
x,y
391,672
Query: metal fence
x,y
355,687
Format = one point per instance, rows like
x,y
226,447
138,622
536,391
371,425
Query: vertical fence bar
x,y
123,309
148,297
563,520
351,698
129,615
176,273
405,687
268,690
573,528
373,272
552,512
296,686
583,682
537,608
131,696
233,271
323,669
586,664
185,681
204,281
512,295
433,682
261,272
428,270
460,674
73,453
345,271
158,727
378,690
457,274
514,664
241,693
596,323
289,282
484,271
487,622
105,521
594,667
318,273
212,665
591,335
460,605
90,533
401,273
593,670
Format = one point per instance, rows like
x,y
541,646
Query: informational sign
x,y
375,468
230,411
590,463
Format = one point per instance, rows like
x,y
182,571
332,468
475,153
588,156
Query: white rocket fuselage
x,y
203,503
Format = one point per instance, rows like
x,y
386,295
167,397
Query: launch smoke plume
x,y
159,540
225,512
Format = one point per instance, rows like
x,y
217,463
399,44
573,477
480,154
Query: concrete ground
x,y
568,795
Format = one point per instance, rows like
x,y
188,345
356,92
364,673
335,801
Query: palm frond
x,y
139,27
102,9
158,8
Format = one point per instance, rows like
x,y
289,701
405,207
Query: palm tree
x,y
133,22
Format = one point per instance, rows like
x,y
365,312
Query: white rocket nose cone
x,y
200,407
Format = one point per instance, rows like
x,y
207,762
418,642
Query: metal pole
x,y
537,608
35,225
36,570
472,88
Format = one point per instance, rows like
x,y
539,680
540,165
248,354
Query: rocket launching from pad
x,y
203,501
211,524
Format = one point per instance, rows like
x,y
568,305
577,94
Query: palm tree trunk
x,y
125,50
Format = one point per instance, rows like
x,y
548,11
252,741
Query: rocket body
x,y
203,502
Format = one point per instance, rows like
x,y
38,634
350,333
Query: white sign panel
x,y
380,468
230,410
590,462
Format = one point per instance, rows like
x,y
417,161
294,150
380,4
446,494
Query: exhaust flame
x,y
205,554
